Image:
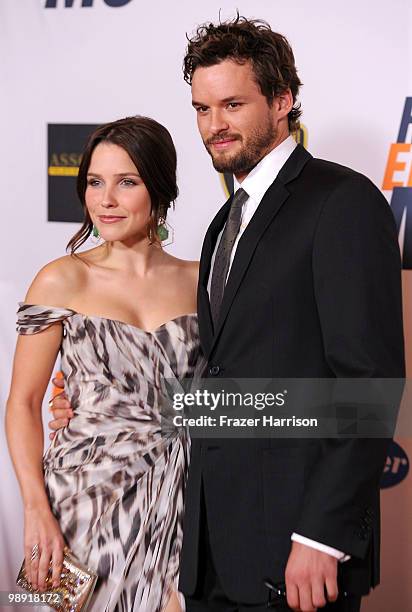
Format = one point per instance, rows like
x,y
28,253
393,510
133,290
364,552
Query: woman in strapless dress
x,y
123,316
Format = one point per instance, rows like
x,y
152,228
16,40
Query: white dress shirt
x,y
256,183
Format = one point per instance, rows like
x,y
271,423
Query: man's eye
x,y
233,104
201,109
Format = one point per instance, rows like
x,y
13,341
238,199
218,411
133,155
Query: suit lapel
x,y
270,205
268,208
203,304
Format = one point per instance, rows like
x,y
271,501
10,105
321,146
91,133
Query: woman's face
x,y
116,197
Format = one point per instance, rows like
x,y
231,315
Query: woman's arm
x,y
33,364
34,359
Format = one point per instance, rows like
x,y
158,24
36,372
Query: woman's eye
x,y
128,182
93,182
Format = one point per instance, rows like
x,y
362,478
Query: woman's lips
x,y
110,219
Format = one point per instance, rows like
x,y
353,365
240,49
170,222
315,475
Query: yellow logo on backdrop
x,y
64,164
64,149
63,171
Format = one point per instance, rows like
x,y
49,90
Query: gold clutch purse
x,y
76,587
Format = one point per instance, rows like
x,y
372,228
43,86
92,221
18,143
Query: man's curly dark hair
x,y
243,40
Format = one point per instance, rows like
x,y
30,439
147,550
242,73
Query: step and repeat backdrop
x,y
69,65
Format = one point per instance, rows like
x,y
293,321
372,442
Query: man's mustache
x,y
221,138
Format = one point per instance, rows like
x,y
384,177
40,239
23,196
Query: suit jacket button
x,y
214,370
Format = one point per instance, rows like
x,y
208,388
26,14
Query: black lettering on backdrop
x,y
83,3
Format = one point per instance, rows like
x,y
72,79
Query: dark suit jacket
x,y
314,291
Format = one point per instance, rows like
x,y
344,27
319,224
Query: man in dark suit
x,y
300,278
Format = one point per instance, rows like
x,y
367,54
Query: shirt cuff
x,y
338,554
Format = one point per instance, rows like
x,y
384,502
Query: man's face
x,y
236,123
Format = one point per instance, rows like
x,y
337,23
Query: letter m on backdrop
x,y
69,3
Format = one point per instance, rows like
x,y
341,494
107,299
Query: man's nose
x,y
218,122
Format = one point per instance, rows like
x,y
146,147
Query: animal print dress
x,y
115,479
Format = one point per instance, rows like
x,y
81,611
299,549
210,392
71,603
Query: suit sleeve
x,y
357,283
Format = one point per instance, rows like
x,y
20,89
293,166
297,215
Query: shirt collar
x,y
264,173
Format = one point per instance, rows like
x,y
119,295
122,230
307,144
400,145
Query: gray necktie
x,y
224,250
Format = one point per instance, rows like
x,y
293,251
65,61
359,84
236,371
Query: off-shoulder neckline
x,y
117,321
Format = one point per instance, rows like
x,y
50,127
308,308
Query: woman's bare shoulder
x,y
57,282
187,269
186,265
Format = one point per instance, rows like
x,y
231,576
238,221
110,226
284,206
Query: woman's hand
x,y
42,529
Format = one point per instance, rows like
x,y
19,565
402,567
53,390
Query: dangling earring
x,y
165,233
95,235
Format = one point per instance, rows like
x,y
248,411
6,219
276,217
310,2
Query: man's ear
x,y
284,103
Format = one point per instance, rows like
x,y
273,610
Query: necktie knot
x,y
239,198
236,205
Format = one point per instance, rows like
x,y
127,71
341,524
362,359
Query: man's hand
x,y
309,575
60,409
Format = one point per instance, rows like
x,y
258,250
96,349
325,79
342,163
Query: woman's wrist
x,y
36,502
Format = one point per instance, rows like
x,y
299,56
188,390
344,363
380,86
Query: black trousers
x,y
210,597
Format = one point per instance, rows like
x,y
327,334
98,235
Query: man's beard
x,y
252,150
